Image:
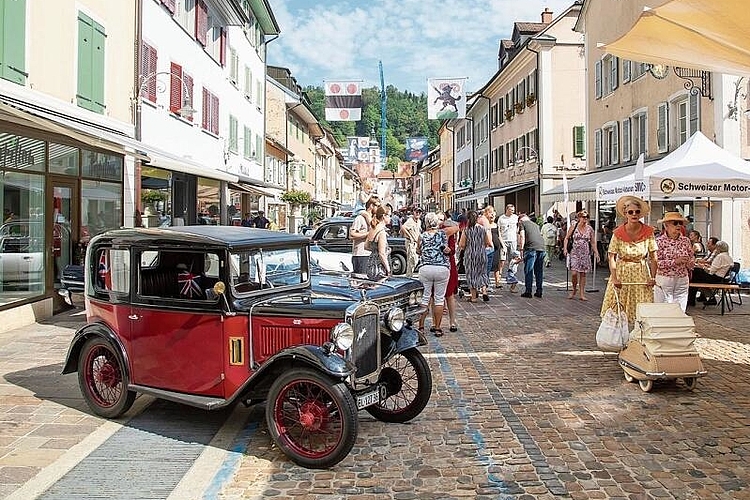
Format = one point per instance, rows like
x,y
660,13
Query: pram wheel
x,y
690,383
646,385
628,377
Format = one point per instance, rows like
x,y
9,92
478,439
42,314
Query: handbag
x,y
375,269
613,333
570,240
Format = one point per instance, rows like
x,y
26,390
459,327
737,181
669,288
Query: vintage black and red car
x,y
212,315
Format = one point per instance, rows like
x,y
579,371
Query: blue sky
x,y
415,39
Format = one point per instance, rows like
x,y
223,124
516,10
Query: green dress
x,y
632,267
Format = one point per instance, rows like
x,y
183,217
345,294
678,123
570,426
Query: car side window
x,y
336,232
112,270
173,274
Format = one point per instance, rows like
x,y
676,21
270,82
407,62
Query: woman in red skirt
x,y
452,289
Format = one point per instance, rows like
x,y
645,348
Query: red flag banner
x,y
343,101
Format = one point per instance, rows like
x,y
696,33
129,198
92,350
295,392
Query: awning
x,y
583,187
249,188
512,188
711,35
476,195
163,159
33,117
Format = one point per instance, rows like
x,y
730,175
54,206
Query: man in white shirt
x,y
507,225
411,230
358,234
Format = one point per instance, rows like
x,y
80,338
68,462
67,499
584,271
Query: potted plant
x,y
530,99
519,107
508,114
150,198
296,198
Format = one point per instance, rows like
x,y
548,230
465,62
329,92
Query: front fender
x,y
82,335
405,339
313,356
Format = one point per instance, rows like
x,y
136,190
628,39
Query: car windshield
x,y
260,269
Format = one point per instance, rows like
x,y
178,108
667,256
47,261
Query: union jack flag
x,y
190,287
105,276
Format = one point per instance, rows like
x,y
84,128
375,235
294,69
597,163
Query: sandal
x,y
453,328
485,297
438,332
432,329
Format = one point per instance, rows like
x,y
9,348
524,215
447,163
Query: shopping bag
x,y
613,333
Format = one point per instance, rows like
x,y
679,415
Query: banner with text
x,y
445,98
343,101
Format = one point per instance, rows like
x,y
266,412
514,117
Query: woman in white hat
x,y
631,256
675,259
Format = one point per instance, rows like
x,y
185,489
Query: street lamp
x,y
186,110
538,200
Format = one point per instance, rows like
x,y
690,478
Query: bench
x,y
726,292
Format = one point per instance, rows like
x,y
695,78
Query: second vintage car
x,y
212,315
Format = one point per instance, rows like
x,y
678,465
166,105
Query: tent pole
x,y
593,287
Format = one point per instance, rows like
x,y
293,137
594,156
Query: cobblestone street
x,y
523,406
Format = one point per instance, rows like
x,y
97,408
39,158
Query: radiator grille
x,y
365,350
272,339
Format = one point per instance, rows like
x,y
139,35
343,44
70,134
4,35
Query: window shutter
x,y
215,115
598,79
615,146
201,22
205,110
13,41
248,84
642,134
694,113
248,143
598,147
222,47
233,134
175,88
662,135
615,75
97,67
85,44
259,94
579,141
258,147
625,71
149,58
188,99
626,140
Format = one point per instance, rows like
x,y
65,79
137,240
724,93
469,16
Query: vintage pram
x,y
661,347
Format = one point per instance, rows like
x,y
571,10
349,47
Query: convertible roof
x,y
232,236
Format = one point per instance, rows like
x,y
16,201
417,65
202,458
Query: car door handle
x,y
28,258
133,316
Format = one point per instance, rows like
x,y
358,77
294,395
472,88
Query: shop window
x,y
21,153
101,166
209,201
63,159
91,45
101,208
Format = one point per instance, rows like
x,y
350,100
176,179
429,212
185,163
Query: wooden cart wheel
x,y
646,385
628,377
690,382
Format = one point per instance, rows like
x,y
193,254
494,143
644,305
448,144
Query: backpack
x,y
551,232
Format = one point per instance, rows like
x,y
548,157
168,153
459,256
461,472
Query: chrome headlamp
x,y
413,299
395,319
342,336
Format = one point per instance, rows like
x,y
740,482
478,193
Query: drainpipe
x,y
538,200
137,51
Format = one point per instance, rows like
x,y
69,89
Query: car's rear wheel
x,y
409,385
398,264
311,419
103,379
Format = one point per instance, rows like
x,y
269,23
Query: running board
x,y
203,402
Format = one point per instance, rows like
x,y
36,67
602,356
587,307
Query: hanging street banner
x,y
446,98
343,101
358,149
417,148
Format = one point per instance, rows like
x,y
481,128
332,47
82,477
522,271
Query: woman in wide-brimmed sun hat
x,y
632,258
675,259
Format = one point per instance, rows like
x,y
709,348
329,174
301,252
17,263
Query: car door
x,y
176,327
335,238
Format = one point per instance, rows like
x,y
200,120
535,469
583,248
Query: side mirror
x,y
219,289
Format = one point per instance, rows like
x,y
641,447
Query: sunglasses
x,y
634,212
676,222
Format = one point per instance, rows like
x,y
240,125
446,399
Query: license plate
x,y
368,398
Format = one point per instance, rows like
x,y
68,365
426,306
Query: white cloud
x,y
415,39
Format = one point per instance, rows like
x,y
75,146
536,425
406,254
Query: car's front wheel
x,y
311,419
398,264
103,379
409,385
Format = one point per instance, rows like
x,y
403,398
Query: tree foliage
x,y
406,116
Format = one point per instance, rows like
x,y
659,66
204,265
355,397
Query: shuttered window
x,y
91,40
662,128
598,79
598,147
626,140
180,91
248,84
258,147
247,151
233,131
13,41
579,141
201,22
148,70
210,115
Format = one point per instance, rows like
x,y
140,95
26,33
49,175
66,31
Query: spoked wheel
x,y
408,382
103,379
628,377
646,385
312,420
690,382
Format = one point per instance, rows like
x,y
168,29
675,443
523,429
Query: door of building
x,y
63,231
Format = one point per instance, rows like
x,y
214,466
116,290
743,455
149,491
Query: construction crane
x,y
383,119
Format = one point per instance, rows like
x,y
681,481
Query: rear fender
x,y
82,335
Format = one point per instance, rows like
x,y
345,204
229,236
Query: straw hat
x,y
626,200
672,216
